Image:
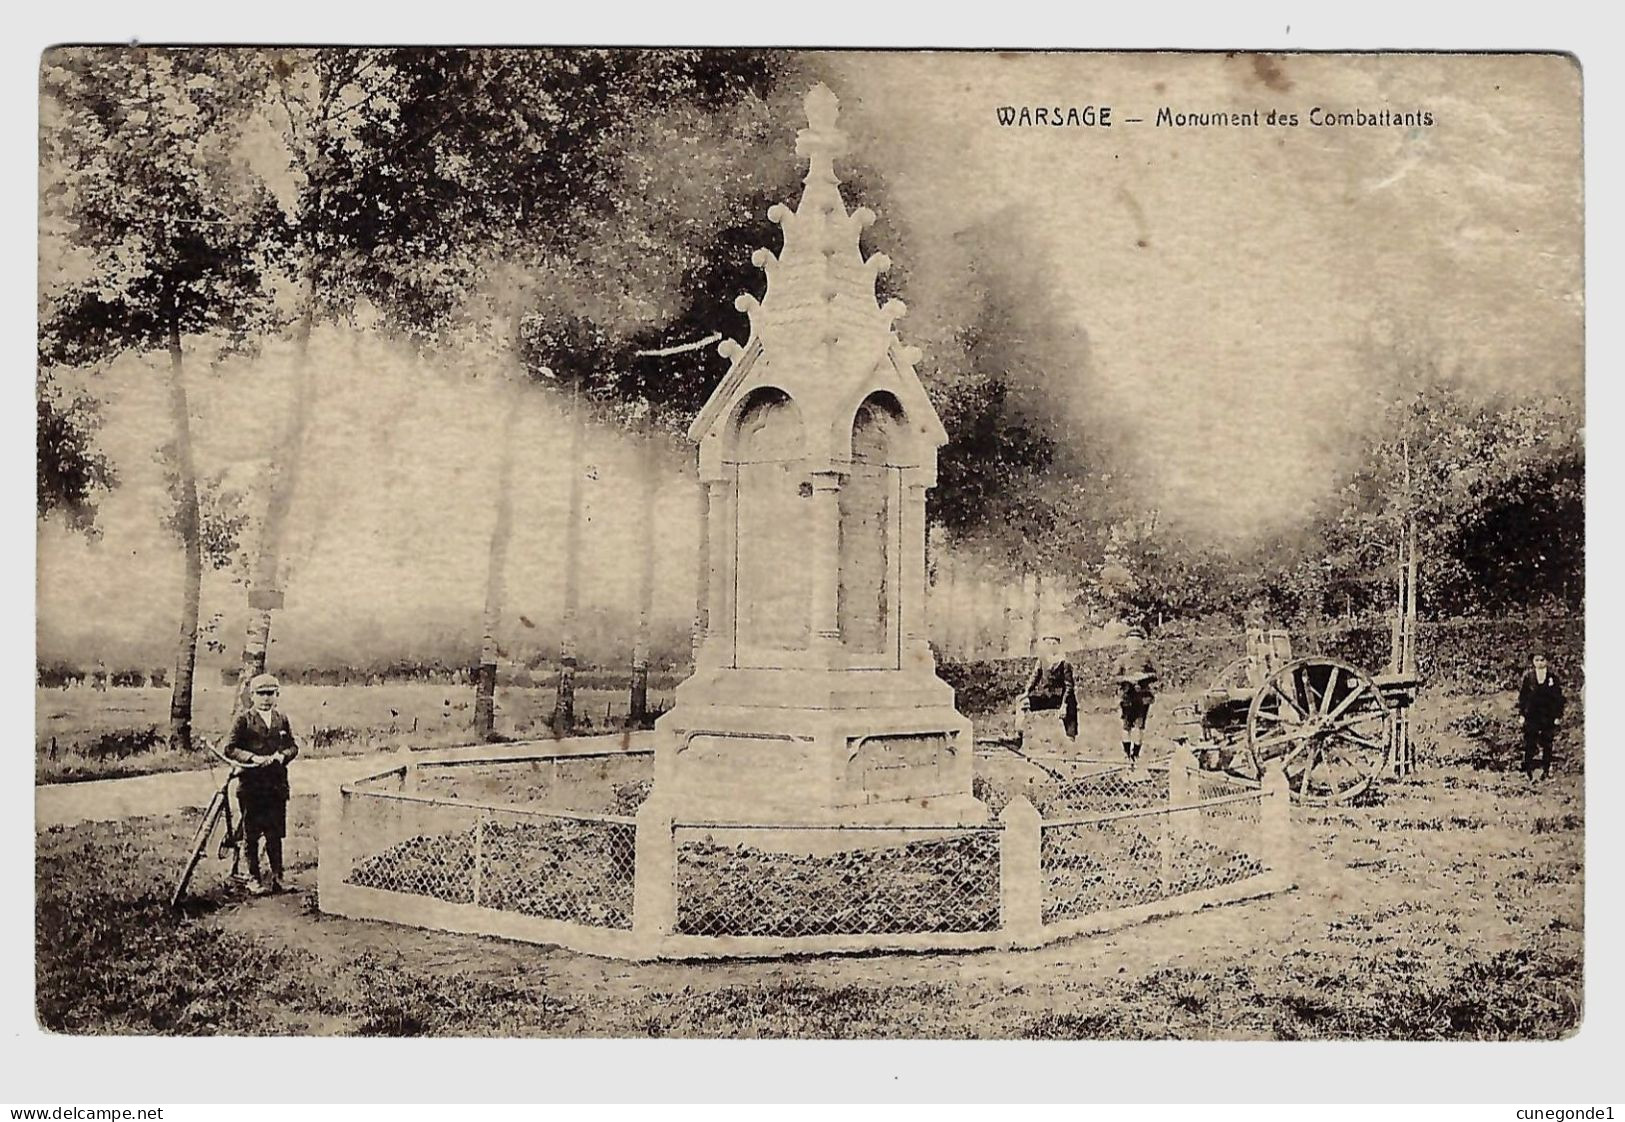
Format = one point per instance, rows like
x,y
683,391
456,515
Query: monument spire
x,y
820,298
819,144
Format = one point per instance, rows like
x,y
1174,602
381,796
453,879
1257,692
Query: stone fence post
x,y
332,844
1183,791
1275,820
654,873
1180,826
1021,886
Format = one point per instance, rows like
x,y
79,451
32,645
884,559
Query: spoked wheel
x,y
1327,723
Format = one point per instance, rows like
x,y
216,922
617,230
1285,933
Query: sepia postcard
x,y
724,543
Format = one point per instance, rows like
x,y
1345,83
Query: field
x,y
1448,906
85,733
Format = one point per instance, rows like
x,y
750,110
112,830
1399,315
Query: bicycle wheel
x,y
200,842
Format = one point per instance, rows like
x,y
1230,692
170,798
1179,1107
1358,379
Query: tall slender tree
x,y
164,237
649,471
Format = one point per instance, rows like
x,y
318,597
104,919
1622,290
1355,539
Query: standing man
x,y
1050,704
1540,703
262,741
1135,674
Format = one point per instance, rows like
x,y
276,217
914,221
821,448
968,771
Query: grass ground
x,y
98,734
1449,906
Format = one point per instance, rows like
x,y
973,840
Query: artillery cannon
x,y
1334,727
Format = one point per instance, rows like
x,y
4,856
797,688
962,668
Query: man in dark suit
x,y
262,741
1540,703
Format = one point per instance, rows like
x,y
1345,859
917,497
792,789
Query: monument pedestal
x,y
813,747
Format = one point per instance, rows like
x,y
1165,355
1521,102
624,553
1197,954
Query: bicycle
x,y
219,807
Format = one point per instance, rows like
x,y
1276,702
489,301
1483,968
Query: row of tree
x,y
578,222
1487,491
497,207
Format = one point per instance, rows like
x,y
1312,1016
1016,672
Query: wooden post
x,y
1275,822
1021,884
654,884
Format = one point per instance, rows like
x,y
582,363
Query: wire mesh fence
x,y
776,882
1217,784
1217,842
600,783
1066,788
410,846
575,868
1108,839
1100,864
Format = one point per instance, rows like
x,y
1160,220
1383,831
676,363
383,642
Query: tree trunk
x,y
702,583
1409,666
264,593
1006,634
496,581
638,709
186,520
1033,623
564,704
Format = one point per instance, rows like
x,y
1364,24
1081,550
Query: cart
x,y
1334,728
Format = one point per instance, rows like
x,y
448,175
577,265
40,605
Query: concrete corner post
x,y
332,844
654,873
1021,885
1182,788
1184,791
1275,818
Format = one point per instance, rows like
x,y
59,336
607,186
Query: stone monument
x,y
815,697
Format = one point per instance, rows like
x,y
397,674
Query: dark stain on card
x,y
1270,72
1135,209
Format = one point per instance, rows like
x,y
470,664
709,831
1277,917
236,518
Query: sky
x,y
1227,280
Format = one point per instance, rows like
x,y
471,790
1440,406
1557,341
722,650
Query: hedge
x,y
1454,656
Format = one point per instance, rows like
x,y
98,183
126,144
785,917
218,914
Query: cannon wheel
x,y
1327,722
